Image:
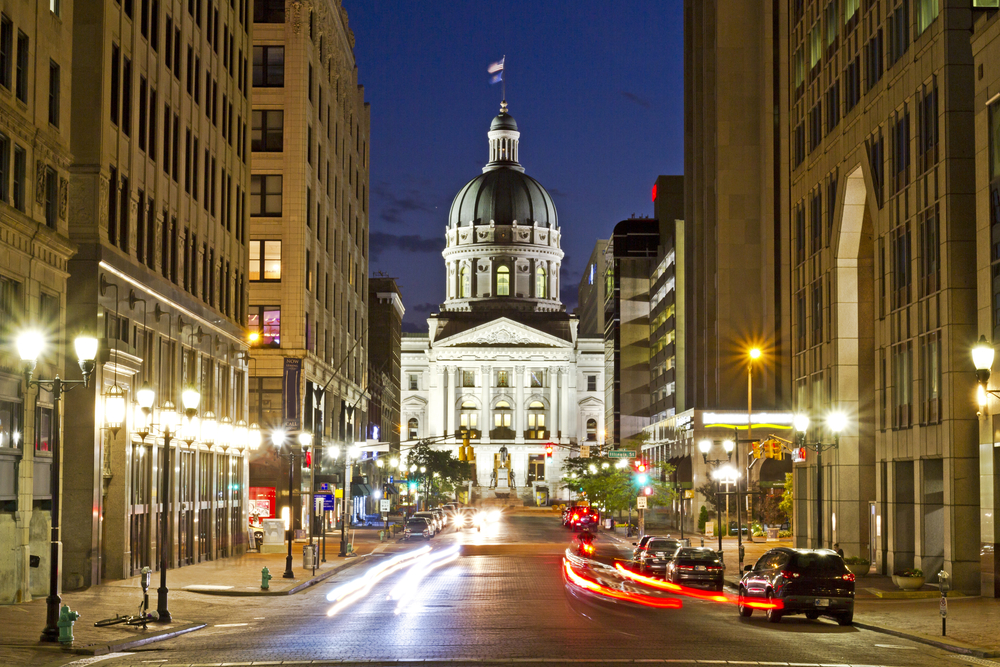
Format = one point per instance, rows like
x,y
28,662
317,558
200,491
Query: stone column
x,y
519,404
434,393
553,425
486,373
564,416
449,408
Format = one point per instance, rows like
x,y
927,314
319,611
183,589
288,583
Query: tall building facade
x,y
590,293
158,188
503,359
35,250
879,195
308,239
385,306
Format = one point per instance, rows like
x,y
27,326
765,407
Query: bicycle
x,y
144,616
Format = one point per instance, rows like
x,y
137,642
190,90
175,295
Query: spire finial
x,y
503,106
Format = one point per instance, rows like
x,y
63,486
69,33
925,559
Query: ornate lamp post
x,y
352,452
705,446
727,475
836,422
982,357
29,346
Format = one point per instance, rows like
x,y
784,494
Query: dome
x,y
503,121
502,196
503,193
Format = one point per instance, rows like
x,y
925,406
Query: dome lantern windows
x,y
541,284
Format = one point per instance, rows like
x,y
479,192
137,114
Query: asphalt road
x,y
506,599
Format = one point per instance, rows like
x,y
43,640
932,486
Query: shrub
x,y
784,533
911,572
857,560
702,518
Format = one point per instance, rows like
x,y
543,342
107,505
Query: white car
x,y
431,518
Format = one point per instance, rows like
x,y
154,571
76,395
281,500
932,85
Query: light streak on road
x,y
600,589
693,592
355,589
406,590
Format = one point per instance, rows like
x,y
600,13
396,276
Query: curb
x,y
291,591
954,646
102,649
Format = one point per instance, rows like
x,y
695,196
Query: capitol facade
x,y
503,359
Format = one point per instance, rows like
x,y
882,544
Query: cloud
x,y
397,205
426,307
380,241
632,97
556,192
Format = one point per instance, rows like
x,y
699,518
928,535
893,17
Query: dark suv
x,y
814,582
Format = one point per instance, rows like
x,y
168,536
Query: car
x,y
695,566
573,512
814,582
584,517
417,527
442,518
640,545
432,520
656,553
465,517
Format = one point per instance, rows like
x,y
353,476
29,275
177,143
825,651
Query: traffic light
x,y
548,451
412,485
463,448
308,458
640,465
648,491
756,449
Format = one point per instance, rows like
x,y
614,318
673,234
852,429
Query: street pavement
x,y
504,599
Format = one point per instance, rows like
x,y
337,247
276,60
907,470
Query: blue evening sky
x,y
596,89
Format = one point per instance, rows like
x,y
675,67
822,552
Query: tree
x,y
437,471
770,510
786,505
609,486
708,490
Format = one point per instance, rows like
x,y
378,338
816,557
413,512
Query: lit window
x,y
501,415
265,321
464,283
540,283
591,430
265,260
412,428
468,378
503,379
503,281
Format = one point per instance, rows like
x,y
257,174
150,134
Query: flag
x,y
497,78
496,67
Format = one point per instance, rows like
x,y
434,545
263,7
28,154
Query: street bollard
x,y
265,578
65,624
381,536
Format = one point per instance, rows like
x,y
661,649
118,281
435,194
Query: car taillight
x,y
848,577
714,567
575,517
788,574
685,567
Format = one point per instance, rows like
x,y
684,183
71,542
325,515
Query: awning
x,y
360,489
391,489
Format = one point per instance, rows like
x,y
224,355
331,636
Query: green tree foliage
x,y
605,485
770,510
442,471
702,518
708,491
786,498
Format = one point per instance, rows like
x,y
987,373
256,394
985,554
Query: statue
x,y
503,454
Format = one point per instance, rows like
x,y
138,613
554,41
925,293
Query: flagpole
x,y
503,79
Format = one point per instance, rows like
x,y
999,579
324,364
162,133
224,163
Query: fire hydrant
x,y
265,577
65,623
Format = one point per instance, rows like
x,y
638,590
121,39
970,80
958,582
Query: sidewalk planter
x,y
859,567
908,580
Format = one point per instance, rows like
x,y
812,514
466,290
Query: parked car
x,y
814,582
640,545
432,520
656,553
695,566
417,527
442,518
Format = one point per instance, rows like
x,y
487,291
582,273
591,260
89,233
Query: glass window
x,y
537,378
53,94
536,418
265,321
4,166
21,82
540,283
591,383
468,378
464,283
412,428
501,415
413,382
6,49
20,176
265,195
268,11
51,196
927,11
503,379
536,468
503,281
43,429
268,131
265,260
591,430
10,425
994,138
269,66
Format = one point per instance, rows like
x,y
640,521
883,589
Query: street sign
x,y
585,451
689,493
383,505
621,454
640,502
326,499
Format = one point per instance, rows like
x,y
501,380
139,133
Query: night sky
x,y
597,92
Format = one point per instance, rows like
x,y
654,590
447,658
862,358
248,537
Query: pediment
x,y
503,332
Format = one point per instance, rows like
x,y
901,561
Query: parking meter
x,y
144,577
944,583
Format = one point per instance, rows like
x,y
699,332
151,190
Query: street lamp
x,y
754,355
724,474
29,347
352,452
705,446
982,357
278,437
836,422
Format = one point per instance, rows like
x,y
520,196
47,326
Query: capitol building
x,y
503,358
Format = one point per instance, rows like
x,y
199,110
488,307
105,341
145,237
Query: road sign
x,y
621,454
585,451
384,505
327,501
640,502
689,493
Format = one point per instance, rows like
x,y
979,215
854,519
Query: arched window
x,y
501,415
591,430
536,419
503,281
464,283
541,285
411,428
469,416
